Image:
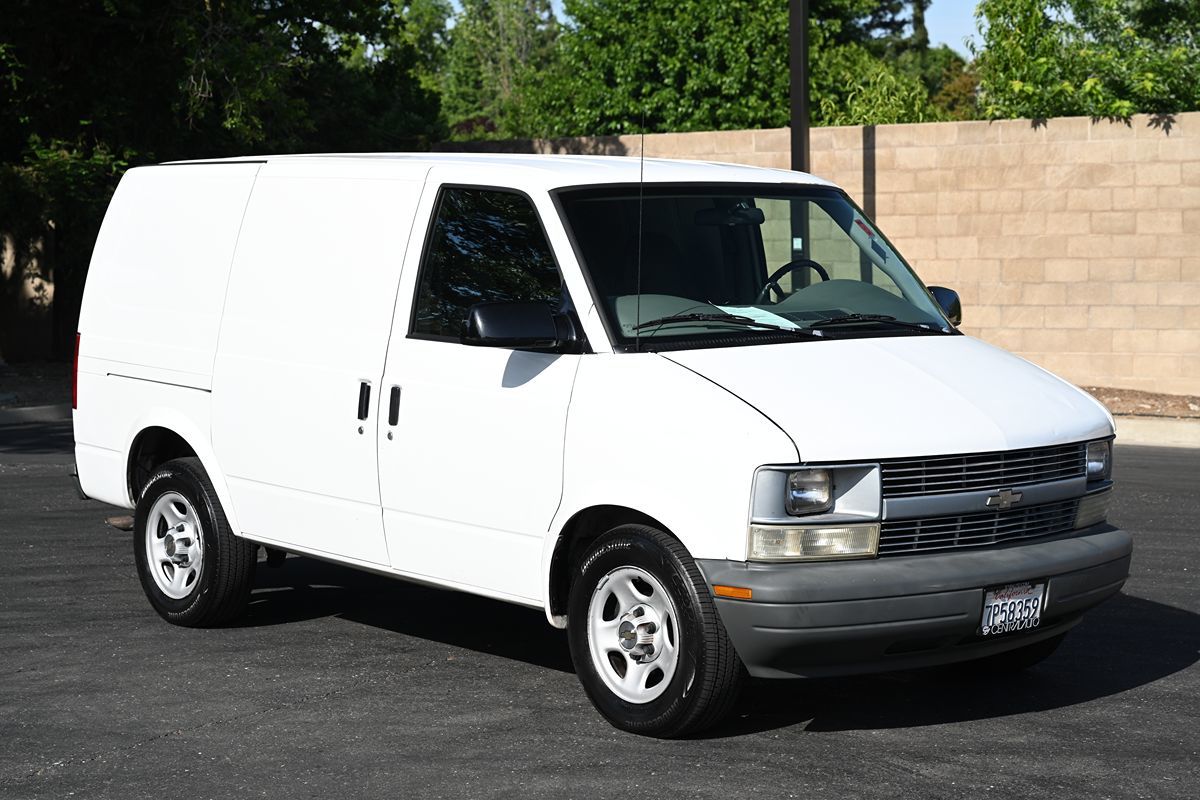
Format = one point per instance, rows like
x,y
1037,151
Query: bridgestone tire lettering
x,y
222,590
708,674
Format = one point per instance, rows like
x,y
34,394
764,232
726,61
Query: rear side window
x,y
486,244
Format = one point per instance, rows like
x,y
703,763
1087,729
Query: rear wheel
x,y
645,637
194,571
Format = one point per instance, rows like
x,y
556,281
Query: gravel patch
x,y
1131,402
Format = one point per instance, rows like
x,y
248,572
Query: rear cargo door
x,y
301,351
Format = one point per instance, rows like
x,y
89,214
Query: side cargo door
x,y
471,469
301,351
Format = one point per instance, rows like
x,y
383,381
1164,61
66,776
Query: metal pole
x,y
865,267
798,65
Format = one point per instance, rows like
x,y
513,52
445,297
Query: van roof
x,y
548,171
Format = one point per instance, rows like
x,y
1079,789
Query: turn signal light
x,y
736,592
1093,509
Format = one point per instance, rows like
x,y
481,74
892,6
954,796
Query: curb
x,y
18,416
1158,431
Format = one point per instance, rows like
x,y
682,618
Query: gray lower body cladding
x,y
839,618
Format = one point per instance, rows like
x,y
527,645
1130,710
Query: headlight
x,y
809,491
813,543
1099,461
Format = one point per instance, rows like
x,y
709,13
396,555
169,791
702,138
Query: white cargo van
x,y
708,419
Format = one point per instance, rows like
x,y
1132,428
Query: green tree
x,y
498,48
1100,58
694,65
681,66
873,92
947,79
88,88
420,27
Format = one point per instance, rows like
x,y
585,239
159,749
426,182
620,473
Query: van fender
x,y
564,516
685,461
200,442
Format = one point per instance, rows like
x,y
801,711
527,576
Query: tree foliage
x,y
185,78
1101,58
420,27
682,66
498,50
876,94
89,88
629,65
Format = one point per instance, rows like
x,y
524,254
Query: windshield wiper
x,y
883,318
733,319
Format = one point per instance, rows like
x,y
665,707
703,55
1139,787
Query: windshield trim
x,y
752,338
752,188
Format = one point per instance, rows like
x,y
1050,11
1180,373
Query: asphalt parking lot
x,y
341,684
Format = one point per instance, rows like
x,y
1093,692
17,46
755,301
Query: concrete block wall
x,y
1073,243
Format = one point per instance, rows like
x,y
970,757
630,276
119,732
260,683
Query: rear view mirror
x,y
949,302
741,214
518,325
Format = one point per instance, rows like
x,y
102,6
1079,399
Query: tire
x,y
193,569
667,670
1013,661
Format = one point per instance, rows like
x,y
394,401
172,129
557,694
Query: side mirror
x,y
948,300
518,325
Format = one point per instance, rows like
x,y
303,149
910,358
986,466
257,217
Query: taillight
x,y
75,376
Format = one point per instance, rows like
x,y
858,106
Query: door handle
x,y
394,406
364,399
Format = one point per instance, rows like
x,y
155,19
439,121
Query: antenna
x,y
637,315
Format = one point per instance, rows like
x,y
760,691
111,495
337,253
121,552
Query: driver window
x,y
485,245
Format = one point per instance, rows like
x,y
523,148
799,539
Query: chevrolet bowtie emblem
x,y
1005,499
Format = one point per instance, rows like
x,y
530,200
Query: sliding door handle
x,y
364,399
394,406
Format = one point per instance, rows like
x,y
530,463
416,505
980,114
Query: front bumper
x,y
841,618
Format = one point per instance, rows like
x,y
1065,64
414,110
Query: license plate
x,y
1016,607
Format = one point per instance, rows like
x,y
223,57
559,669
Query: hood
x,y
902,396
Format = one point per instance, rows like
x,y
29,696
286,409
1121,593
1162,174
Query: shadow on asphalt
x,y
38,438
1125,643
305,588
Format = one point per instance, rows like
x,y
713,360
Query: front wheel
x,y
645,637
194,570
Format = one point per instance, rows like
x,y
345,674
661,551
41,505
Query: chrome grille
x,y
906,477
907,536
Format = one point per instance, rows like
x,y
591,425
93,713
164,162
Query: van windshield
x,y
716,265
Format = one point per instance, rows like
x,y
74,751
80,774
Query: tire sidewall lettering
x,y
624,549
186,484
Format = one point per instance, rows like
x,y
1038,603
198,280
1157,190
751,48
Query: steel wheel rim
x,y
633,634
174,545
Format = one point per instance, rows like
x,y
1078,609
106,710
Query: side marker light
x,y
736,592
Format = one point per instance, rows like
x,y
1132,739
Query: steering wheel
x,y
764,294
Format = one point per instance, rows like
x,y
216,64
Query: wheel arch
x,y
150,448
572,541
162,435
